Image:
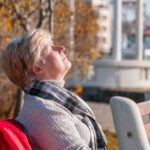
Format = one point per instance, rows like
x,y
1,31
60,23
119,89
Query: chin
x,y
68,66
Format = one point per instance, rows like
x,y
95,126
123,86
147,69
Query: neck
x,y
56,78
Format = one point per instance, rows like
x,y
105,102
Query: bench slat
x,y
144,108
147,128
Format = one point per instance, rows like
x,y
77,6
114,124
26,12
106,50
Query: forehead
x,y
46,47
47,39
46,42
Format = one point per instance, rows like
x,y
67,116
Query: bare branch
x,y
4,5
50,15
41,17
20,16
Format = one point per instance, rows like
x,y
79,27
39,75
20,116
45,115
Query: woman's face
x,y
55,64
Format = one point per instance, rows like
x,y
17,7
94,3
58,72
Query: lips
x,y
65,58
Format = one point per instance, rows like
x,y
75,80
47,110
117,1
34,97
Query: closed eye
x,y
58,48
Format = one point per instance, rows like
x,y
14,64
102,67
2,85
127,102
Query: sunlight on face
x,y
55,63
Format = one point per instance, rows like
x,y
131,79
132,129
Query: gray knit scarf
x,y
75,104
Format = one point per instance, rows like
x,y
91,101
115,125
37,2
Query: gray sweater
x,y
50,126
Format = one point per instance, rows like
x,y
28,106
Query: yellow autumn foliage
x,y
84,49
112,143
78,89
85,27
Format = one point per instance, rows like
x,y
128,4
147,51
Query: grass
x,y
112,142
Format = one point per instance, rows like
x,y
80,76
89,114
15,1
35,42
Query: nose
x,y
58,48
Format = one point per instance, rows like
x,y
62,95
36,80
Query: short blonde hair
x,y
22,53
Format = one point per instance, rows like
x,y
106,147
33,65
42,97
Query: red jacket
x,y
12,136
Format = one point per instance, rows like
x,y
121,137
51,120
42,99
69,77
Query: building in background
x,y
130,50
114,75
104,32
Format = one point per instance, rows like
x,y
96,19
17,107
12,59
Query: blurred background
x,y
108,42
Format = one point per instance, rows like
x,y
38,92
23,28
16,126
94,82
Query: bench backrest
x,y
144,108
127,117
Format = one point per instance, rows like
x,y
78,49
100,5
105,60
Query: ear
x,y
36,70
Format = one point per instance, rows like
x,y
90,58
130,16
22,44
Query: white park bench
x,y
132,132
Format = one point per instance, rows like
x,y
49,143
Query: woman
x,y
53,118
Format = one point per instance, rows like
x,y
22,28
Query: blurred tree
x,y
23,15
85,27
19,16
61,23
16,15
85,35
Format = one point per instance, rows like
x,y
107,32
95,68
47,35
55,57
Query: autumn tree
x,y
85,27
19,16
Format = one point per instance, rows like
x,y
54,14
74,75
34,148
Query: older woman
x,y
53,118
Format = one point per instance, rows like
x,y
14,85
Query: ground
x,y
103,115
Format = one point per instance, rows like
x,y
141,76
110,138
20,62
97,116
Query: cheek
x,y
55,63
50,60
